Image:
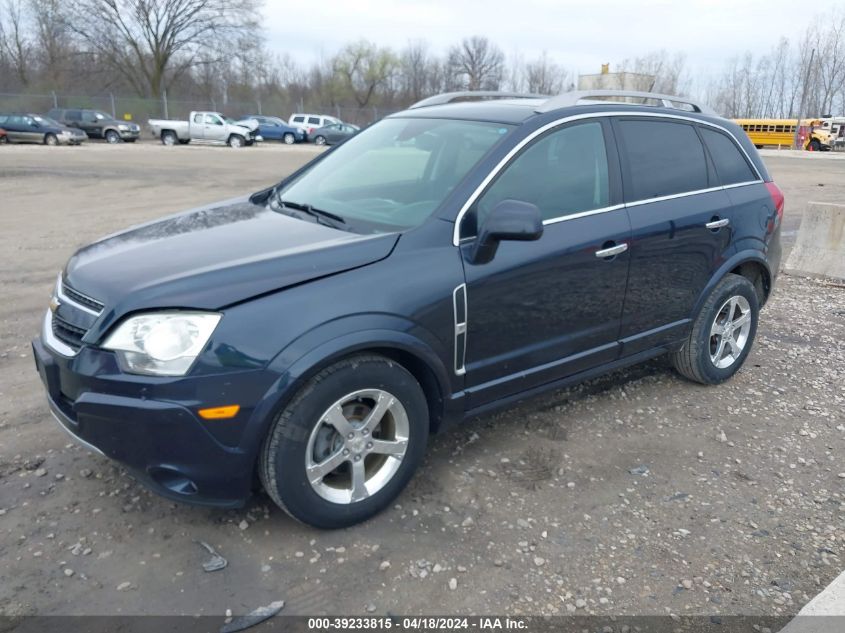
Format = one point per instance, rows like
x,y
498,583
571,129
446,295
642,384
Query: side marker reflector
x,y
220,413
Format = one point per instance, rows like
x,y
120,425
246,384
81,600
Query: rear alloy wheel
x,y
320,140
288,139
236,141
722,333
112,137
347,444
169,138
51,139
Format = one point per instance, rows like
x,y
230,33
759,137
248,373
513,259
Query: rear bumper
x,y
161,441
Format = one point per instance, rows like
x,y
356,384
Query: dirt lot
x,y
638,493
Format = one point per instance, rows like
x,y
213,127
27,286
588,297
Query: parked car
x,y
34,128
334,133
97,124
448,260
206,127
310,122
273,128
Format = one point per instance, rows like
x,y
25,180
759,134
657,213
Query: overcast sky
x,y
578,35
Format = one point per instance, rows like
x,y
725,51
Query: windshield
x,y
394,174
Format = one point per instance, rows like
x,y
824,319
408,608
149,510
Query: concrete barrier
x,y
823,614
819,250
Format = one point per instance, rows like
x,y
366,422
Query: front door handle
x,y
717,224
612,251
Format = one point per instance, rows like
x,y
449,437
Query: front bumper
x,y
129,134
151,425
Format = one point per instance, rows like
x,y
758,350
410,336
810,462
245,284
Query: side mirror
x,y
510,220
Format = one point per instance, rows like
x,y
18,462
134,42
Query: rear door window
x,y
661,158
731,166
314,120
73,115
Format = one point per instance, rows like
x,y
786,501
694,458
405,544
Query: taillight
x,y
777,198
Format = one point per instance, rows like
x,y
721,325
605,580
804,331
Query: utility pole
x,y
795,141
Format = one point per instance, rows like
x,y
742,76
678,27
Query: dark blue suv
x,y
450,259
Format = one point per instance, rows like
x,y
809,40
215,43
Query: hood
x,y
215,256
249,124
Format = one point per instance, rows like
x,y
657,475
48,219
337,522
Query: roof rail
x,y
572,98
448,97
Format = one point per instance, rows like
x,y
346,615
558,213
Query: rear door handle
x,y
612,251
717,224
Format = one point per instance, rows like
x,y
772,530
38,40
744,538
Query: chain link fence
x,y
140,109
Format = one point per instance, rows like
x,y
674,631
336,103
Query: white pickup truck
x,y
205,127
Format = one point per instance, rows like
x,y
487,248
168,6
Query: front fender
x,y
320,347
737,259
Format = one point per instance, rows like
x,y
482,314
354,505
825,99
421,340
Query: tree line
x,y
215,51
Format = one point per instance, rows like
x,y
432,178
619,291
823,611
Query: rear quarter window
x,y
731,166
661,158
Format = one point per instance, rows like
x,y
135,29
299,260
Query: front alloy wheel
x,y
347,443
357,446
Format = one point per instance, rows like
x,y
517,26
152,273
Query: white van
x,y
310,122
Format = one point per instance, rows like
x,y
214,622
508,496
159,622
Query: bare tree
x,y
415,63
476,64
544,76
14,42
361,68
52,43
153,42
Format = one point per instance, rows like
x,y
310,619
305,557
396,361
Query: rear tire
x,y
722,333
51,139
333,479
169,138
320,140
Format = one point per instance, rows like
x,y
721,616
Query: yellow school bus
x,y
780,132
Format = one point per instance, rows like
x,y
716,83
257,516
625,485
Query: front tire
x,y
112,137
722,333
51,140
236,141
347,444
288,139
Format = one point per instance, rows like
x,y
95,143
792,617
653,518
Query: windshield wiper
x,y
314,212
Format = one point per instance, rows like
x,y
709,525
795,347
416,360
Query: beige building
x,y
606,80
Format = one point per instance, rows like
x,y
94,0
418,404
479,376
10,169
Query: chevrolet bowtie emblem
x,y
54,303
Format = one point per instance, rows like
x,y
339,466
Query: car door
x,y
14,129
214,128
73,118
680,218
551,308
31,130
90,124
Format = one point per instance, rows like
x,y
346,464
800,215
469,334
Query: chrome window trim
x,y
52,341
459,364
583,214
456,231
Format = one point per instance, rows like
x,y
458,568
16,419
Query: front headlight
x,y
162,343
123,128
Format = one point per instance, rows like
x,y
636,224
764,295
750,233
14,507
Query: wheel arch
x,y
403,348
750,264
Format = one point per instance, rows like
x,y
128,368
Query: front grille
x,y
67,332
80,298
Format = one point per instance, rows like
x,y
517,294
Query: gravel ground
x,y
637,493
